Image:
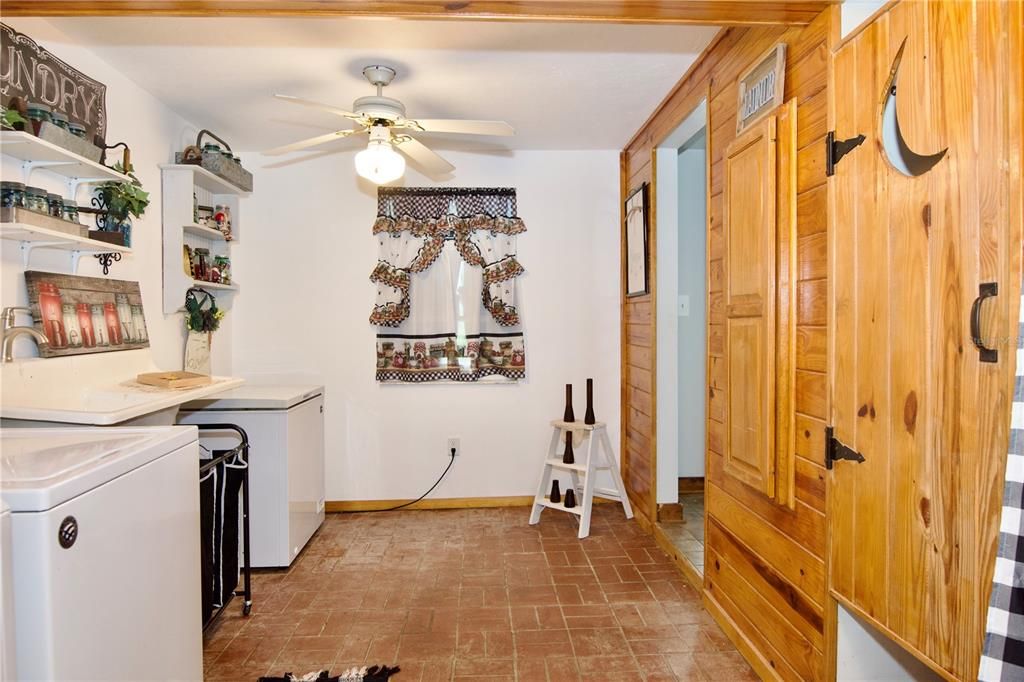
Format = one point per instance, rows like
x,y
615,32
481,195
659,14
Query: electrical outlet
x,y
454,443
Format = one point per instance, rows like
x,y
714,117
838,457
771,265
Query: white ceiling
x,y
562,86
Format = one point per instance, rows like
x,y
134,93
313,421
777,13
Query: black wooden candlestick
x,y
556,494
568,458
589,417
570,498
568,416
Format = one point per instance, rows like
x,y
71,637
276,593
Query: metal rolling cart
x,y
219,505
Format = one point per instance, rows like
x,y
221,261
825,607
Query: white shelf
x,y
36,153
32,238
215,285
577,510
204,232
41,237
559,464
207,180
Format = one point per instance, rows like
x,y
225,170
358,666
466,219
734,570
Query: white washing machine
x,y
104,540
285,425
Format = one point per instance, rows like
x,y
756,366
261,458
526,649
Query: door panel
x,y
750,306
913,528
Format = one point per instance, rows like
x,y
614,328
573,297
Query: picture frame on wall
x,y
84,315
636,242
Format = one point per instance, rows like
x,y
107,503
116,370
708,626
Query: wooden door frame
x,y
693,100
703,12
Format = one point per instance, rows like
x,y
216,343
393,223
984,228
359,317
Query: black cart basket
x,y
223,495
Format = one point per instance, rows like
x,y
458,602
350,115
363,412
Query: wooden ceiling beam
x,y
705,12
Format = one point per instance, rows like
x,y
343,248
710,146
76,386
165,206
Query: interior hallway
x,y
476,594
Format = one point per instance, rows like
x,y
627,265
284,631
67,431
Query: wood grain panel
x,y
914,527
813,256
785,547
707,12
812,348
798,565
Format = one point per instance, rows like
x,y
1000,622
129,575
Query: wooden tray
x,y
174,379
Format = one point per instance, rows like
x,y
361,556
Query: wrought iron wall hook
x,y
107,259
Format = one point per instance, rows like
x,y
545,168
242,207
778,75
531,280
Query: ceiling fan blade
x,y
318,105
311,142
422,155
443,125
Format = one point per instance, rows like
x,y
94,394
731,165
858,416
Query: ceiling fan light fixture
x,y
380,163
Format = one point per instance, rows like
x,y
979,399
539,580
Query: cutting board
x,y
174,379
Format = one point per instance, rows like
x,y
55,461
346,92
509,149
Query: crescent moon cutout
x,y
897,151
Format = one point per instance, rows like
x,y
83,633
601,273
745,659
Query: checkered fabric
x,y
1003,657
435,202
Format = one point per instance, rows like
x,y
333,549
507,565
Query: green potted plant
x,y
121,201
11,119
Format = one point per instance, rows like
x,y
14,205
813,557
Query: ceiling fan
x,y
384,119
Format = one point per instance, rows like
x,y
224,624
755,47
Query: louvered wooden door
x,y
912,529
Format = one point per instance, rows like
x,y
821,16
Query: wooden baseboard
x,y
433,503
691,485
439,503
670,511
688,570
746,648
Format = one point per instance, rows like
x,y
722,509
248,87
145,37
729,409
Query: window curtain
x,y
447,285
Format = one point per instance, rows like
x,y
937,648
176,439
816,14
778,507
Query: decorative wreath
x,y
201,311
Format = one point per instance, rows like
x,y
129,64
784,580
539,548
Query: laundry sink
x,y
85,390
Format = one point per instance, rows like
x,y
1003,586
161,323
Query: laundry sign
x,y
30,72
762,87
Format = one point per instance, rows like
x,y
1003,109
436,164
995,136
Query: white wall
x,y
303,264
671,363
866,655
153,132
692,327
853,13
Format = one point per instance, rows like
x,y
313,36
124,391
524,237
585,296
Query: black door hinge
x,y
837,149
835,450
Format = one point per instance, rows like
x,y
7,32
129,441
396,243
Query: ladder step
x,y
578,510
559,464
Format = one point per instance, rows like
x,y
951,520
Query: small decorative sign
x,y
82,315
762,87
29,71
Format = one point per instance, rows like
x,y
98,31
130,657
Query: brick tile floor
x,y
476,595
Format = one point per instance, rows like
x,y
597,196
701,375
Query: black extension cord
x,y
407,504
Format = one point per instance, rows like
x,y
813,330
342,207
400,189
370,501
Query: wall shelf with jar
x,y
200,223
44,220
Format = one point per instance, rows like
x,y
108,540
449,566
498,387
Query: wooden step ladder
x,y
597,458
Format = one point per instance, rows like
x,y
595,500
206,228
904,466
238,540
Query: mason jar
x,y
55,205
71,210
58,119
12,194
37,113
35,199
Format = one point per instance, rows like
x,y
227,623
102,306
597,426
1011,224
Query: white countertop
x,y
79,390
258,397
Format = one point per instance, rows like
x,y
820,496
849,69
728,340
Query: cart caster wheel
x,y
247,609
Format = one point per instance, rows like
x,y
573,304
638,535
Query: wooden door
x,y
912,529
750,236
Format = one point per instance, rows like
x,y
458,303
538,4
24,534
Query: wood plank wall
x,y
764,565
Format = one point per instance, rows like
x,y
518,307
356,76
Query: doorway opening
x,y
681,243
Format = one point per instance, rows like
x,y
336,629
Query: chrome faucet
x,y
11,332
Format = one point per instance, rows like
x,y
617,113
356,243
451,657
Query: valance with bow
x,y
446,279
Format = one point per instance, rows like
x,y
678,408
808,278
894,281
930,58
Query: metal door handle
x,y
985,290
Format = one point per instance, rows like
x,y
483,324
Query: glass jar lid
x,y
38,191
10,184
38,106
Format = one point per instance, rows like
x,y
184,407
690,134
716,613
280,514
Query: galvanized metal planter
x,y
219,164
62,138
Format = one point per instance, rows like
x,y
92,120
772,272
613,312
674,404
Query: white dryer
x,y
105,527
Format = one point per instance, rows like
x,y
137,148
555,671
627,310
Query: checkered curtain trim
x,y
1003,655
